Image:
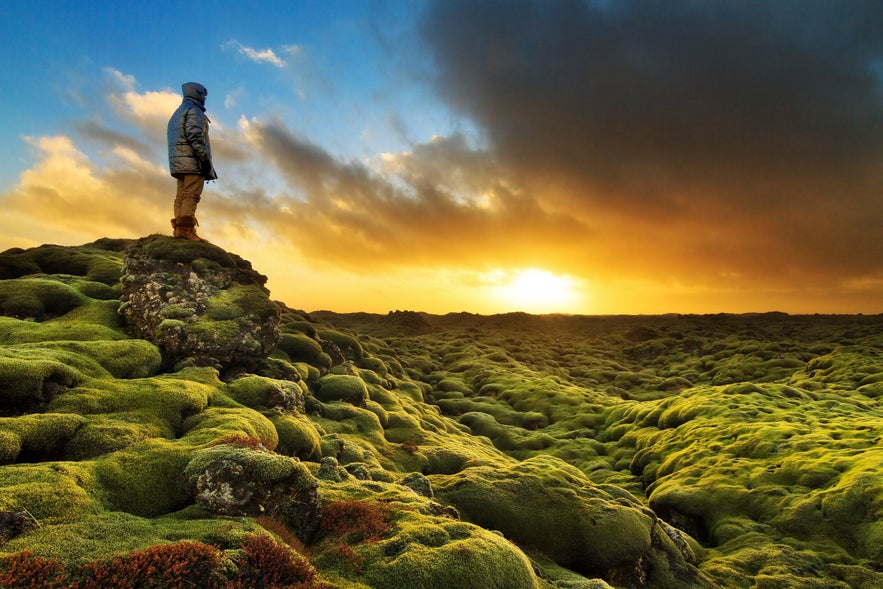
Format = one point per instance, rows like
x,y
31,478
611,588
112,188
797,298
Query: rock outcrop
x,y
197,302
236,481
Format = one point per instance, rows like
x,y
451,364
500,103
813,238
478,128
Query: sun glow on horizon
x,y
538,291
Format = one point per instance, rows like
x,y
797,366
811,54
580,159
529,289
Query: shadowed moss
x,y
99,261
37,298
28,380
302,348
41,437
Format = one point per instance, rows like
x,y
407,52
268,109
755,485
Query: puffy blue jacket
x,y
189,149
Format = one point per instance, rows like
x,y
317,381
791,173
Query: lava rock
x,y
14,524
235,481
197,302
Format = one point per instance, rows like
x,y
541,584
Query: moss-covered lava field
x,y
410,451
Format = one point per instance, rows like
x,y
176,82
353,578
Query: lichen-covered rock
x,y
418,483
14,524
196,301
235,481
330,470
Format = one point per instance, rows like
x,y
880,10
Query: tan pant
x,y
188,195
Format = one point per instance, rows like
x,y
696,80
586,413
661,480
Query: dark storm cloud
x,y
442,203
757,116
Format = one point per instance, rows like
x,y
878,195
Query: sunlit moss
x,y
145,480
53,493
217,422
342,387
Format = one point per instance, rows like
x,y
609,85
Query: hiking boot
x,y
185,228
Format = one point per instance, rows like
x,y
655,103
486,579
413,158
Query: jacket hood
x,y
195,92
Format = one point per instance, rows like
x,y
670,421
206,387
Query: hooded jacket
x,y
189,149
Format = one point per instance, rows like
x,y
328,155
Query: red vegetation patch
x,y
240,441
356,521
345,523
268,563
172,566
264,563
284,533
24,569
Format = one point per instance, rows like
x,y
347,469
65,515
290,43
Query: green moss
x,y
37,298
410,390
10,445
217,422
240,300
375,365
307,372
100,261
296,323
349,345
54,493
100,291
121,359
14,331
258,391
42,436
342,387
297,435
27,380
757,434
104,434
343,418
419,549
481,561
145,480
545,503
230,479
104,535
163,401
266,466
187,252
301,348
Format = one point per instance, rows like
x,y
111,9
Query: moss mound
x,y
552,506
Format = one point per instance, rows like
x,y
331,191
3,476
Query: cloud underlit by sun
x,y
534,290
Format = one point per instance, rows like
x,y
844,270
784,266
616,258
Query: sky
x,y
572,156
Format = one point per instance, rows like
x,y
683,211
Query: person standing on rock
x,y
190,157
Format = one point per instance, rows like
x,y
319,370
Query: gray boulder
x,y
197,302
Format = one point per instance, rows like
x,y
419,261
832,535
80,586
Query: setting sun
x,y
537,291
